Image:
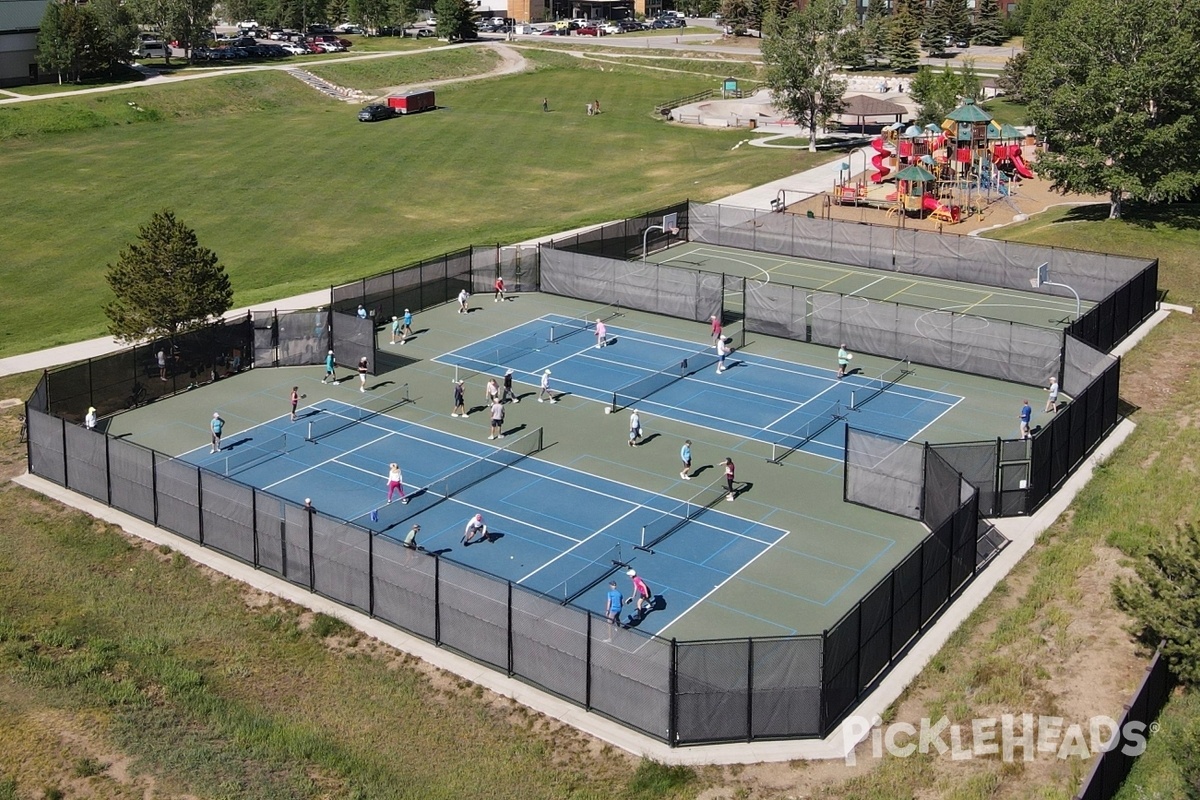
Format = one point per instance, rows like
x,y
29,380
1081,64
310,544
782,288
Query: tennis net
x,y
488,465
817,421
642,388
584,322
880,384
595,572
247,456
681,515
375,405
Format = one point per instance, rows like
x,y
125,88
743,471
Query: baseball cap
x,y
632,573
479,516
547,372
508,372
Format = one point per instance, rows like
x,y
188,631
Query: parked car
x,y
347,27
612,28
426,33
296,49
320,29
374,113
589,30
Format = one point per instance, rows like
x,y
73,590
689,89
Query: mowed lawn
x,y
293,193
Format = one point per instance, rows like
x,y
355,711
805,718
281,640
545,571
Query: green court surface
x,y
1038,308
832,553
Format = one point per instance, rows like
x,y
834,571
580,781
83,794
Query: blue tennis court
x,y
779,402
553,529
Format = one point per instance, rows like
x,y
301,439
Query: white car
x,y
347,27
612,28
328,47
295,49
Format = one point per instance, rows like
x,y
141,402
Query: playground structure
x,y
937,171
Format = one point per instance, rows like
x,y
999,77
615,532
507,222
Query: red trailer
x,y
412,102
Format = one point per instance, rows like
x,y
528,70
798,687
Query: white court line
x,y
323,463
718,586
579,543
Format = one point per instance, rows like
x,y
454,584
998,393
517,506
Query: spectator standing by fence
x,y
216,426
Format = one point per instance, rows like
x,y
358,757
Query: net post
x,y
309,437
853,404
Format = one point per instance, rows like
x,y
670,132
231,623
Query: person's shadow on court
x,y
657,603
517,429
701,470
648,439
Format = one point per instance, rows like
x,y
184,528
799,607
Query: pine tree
x,y
165,283
1165,600
902,50
874,30
989,28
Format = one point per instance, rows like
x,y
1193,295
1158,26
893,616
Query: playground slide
x,y
1021,167
877,160
933,205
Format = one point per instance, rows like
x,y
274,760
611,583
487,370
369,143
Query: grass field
x,y
125,670
294,194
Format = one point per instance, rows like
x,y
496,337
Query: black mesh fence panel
x,y
46,456
935,571
942,486
303,337
353,339
976,462
70,391
228,514
906,600
875,632
88,462
266,338
131,478
786,687
519,267
964,542
39,401
712,691
840,672
1082,365
405,587
297,550
474,614
271,531
177,492
884,473
577,275
342,562
549,644
631,680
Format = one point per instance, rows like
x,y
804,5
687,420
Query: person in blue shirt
x,y
685,455
612,607
217,426
406,326
1026,416
395,329
329,365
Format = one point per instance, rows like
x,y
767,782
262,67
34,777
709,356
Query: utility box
x,y
412,102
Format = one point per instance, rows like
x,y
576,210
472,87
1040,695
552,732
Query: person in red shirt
x,y
499,290
640,596
729,479
716,327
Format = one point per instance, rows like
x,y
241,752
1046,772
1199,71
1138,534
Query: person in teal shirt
x,y
395,328
406,329
217,426
329,365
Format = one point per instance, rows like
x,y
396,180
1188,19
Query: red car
x,y
590,30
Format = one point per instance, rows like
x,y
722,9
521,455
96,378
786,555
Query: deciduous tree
x,y
802,52
165,283
1112,88
455,19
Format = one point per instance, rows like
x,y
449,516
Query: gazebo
x,y
862,108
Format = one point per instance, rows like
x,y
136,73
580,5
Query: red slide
x,y
932,204
1020,166
877,160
